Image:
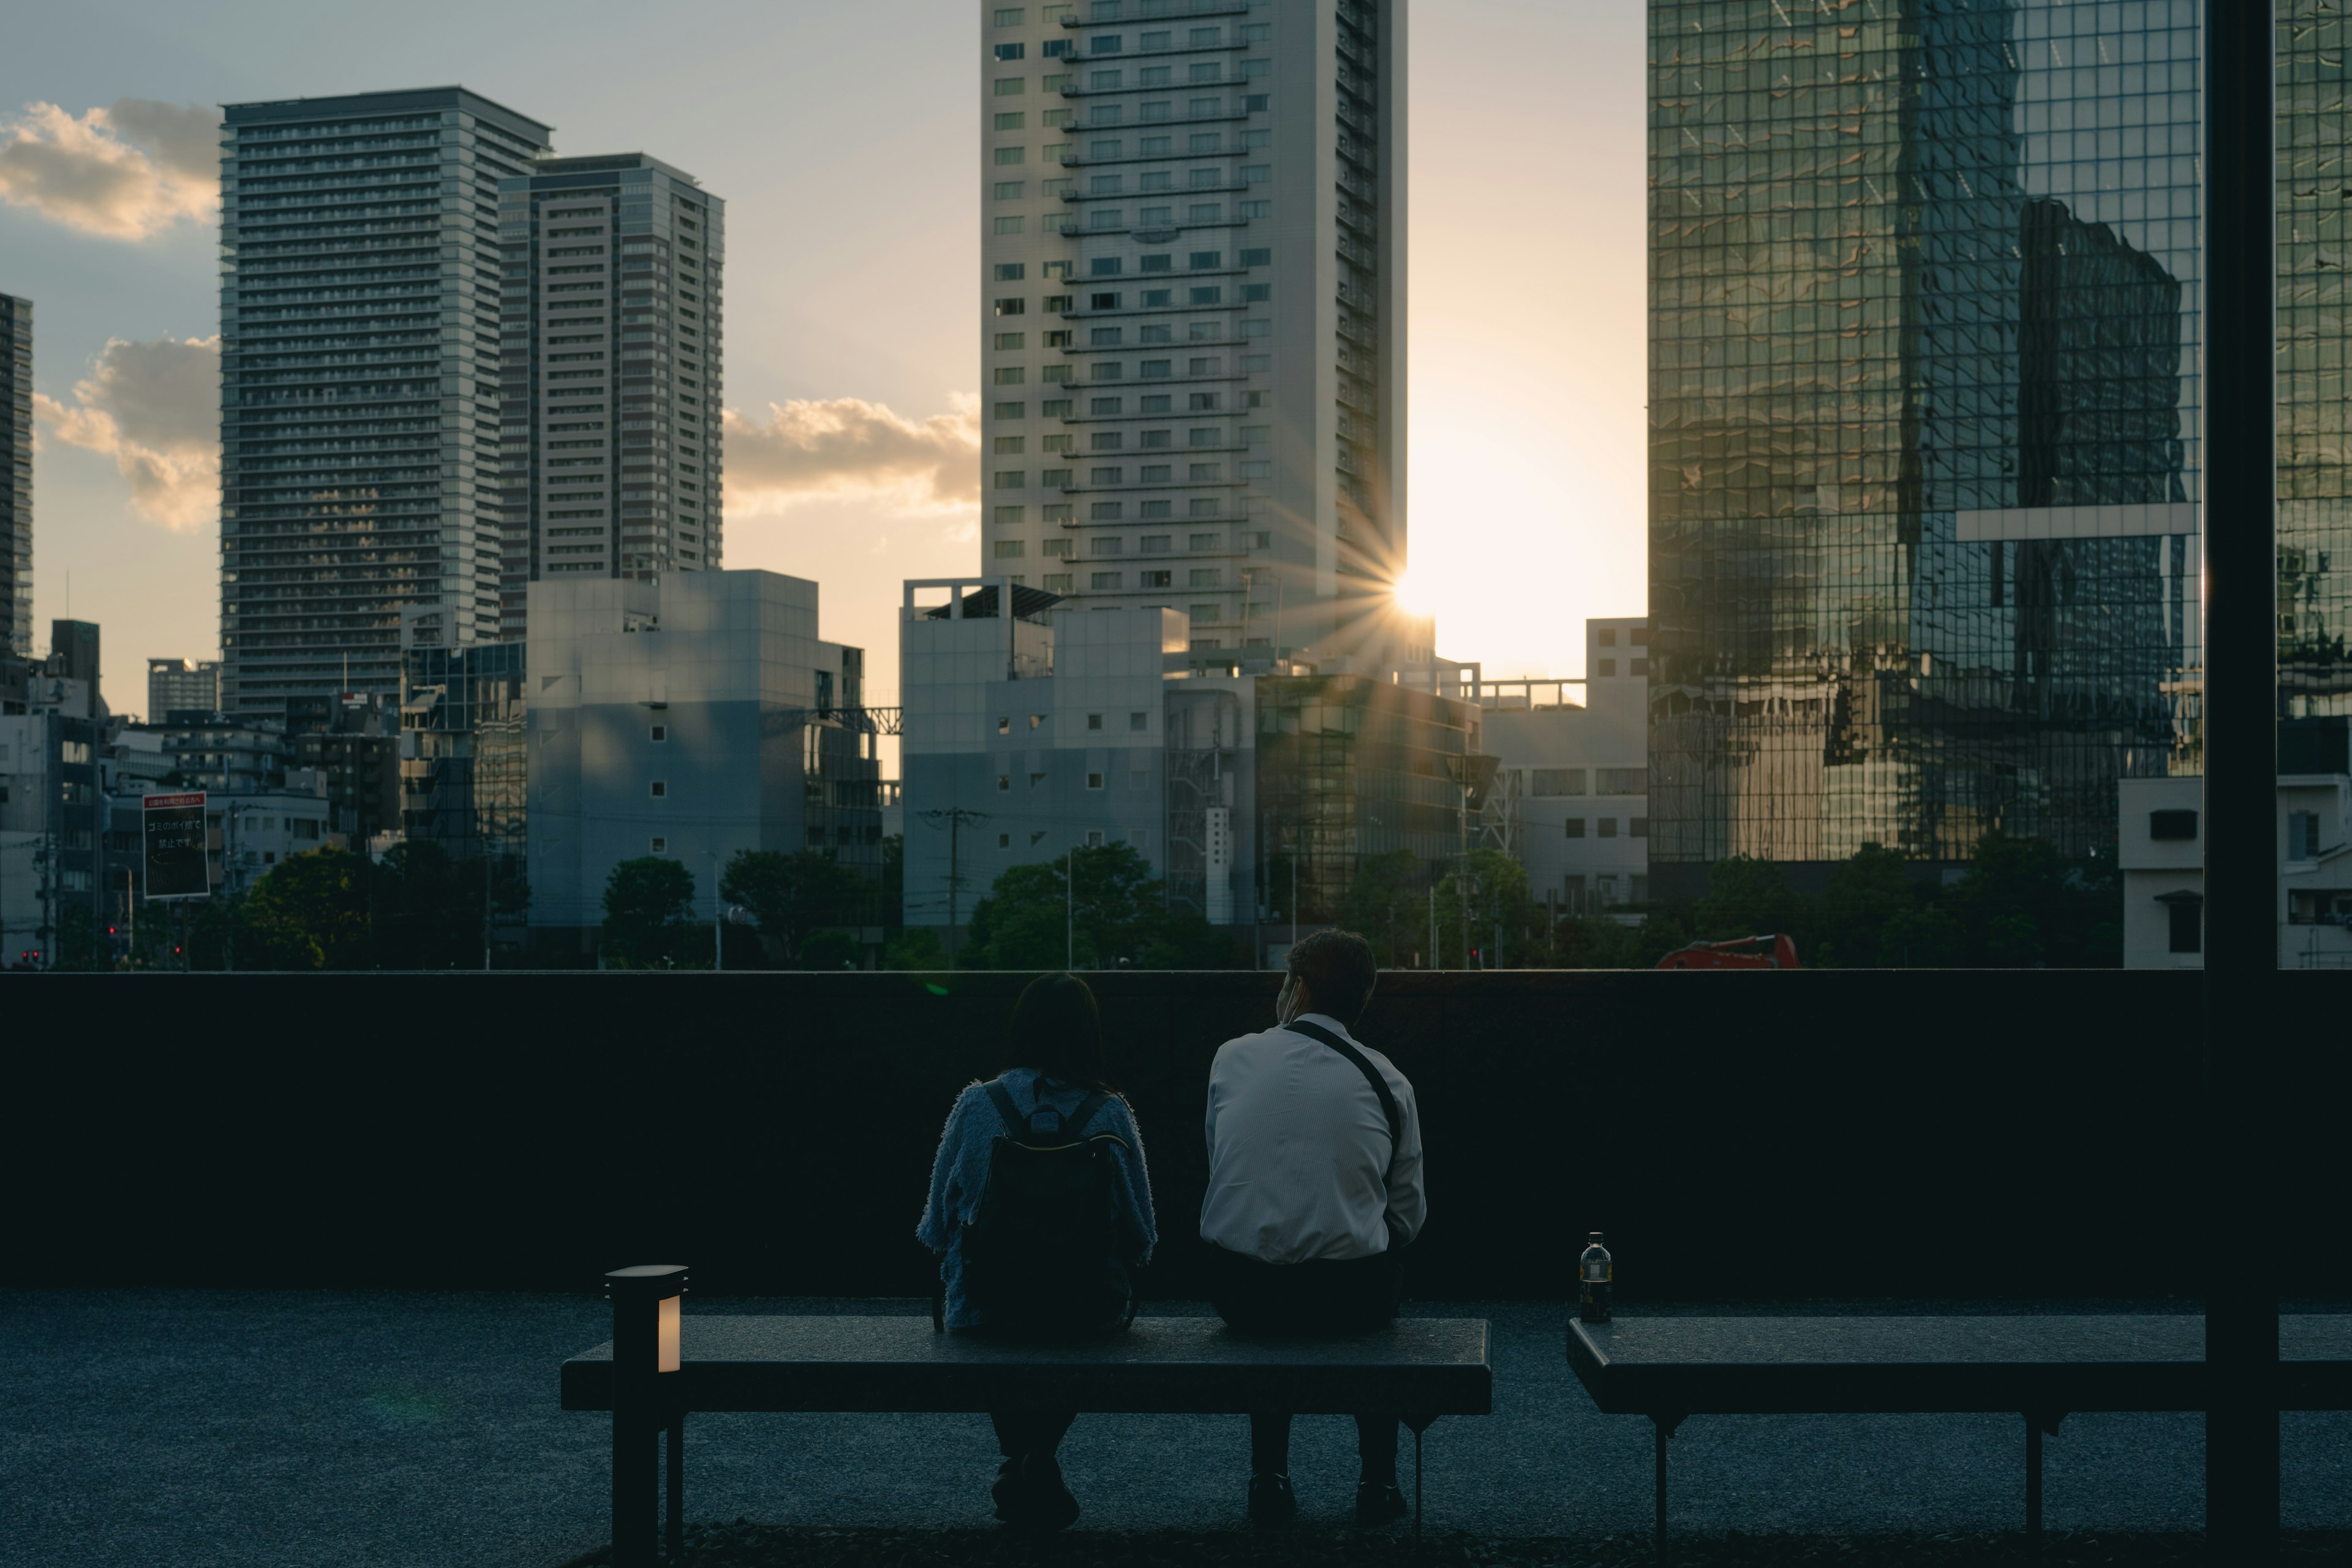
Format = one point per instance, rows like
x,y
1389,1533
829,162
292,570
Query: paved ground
x,y
200,1427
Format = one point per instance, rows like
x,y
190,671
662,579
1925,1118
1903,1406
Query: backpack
x,y
1040,1251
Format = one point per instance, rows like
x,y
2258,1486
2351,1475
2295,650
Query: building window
x,y
1557,782
1004,782
1093,781
1105,580
1010,549
2187,923
1575,826
1005,726
1621,780
1012,86
661,789
1094,838
1011,514
1139,720
1004,841
1608,826
661,846
1606,666
2175,825
1638,826
660,732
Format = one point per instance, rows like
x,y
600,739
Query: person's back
x,y
1315,1190
1051,1105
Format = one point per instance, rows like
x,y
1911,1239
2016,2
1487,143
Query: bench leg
x,y
1659,1428
2032,1480
1416,1487
678,1487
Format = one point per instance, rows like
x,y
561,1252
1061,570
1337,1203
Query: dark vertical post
x,y
2032,1479
2240,718
1660,1427
644,1365
676,1499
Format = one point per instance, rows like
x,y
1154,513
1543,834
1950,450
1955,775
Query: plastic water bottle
x,y
1595,1273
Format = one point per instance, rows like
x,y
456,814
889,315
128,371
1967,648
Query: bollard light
x,y
645,1351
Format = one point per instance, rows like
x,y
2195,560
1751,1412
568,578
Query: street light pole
x,y
952,818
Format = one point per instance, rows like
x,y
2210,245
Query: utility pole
x,y
1069,908
952,818
1434,964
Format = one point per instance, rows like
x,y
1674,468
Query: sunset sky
x,y
838,135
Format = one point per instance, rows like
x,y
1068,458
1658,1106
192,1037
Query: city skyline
x,y
852,434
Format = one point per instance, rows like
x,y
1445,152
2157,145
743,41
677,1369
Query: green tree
x,y
648,924
1186,940
1869,895
1747,896
795,897
426,908
82,945
1496,901
2023,903
1387,902
1115,910
914,948
310,912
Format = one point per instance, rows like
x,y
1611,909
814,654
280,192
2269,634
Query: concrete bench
x,y
2042,1368
669,1365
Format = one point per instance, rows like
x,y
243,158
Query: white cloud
x,y
847,448
128,171
154,408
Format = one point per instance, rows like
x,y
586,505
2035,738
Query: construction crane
x,y
1779,952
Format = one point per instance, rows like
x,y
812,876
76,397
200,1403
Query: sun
x,y
1410,595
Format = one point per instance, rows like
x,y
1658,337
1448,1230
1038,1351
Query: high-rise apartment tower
x,y
1924,426
612,378
361,286
17,477
1192,297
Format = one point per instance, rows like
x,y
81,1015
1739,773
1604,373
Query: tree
x,y
1113,906
427,906
2023,903
82,945
795,897
1870,899
310,912
1387,902
914,948
1747,896
1186,940
1497,900
649,905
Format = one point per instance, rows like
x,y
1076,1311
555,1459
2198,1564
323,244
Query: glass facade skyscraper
x,y
360,287
1924,418
613,320
2315,476
16,478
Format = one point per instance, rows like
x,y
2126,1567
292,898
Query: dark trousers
x,y
1312,1299
1030,1431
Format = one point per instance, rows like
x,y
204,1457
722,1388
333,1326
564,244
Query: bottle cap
x,y
1596,1237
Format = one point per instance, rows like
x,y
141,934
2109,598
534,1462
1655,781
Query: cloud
x,y
154,408
847,448
126,172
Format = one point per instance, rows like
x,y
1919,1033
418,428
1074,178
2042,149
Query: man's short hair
x,y
1339,969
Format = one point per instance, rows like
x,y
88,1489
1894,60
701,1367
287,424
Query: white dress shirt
x,y
1297,1149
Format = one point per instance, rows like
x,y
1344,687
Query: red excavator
x,y
1779,952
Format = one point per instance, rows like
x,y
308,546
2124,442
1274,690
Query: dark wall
x,y
1738,1135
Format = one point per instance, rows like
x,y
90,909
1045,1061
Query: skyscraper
x,y
1193,303
17,483
1923,420
612,373
2315,476
360,344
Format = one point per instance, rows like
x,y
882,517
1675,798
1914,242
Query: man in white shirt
x,y
1315,1191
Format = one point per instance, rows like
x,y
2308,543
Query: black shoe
x,y
1007,1492
1379,1502
1271,1501
1046,1503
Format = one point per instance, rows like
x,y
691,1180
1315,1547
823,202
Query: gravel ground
x,y
195,1428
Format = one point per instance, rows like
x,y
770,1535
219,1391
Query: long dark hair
x,y
1057,1030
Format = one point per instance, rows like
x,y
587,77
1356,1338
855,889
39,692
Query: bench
x,y
668,1365
2042,1368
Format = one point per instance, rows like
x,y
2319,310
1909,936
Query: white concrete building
x,y
2161,851
690,715
1192,307
1056,727
1571,797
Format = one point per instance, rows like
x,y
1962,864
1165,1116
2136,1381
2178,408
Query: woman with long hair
x,y
1040,1210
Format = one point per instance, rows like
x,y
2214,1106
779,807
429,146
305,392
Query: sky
x,y
839,137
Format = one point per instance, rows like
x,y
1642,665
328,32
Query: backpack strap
x,y
1017,1123
1076,1122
